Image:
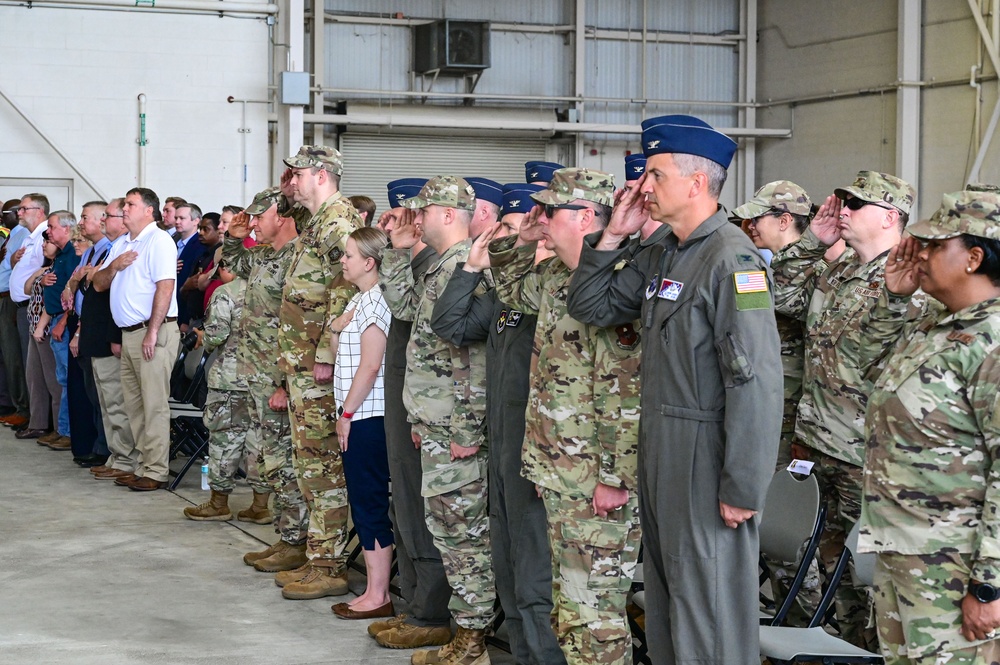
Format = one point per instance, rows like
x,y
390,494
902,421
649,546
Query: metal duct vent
x,y
451,48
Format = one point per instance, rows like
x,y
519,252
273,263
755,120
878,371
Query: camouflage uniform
x,y
445,397
931,477
314,294
227,406
778,197
582,429
264,268
831,411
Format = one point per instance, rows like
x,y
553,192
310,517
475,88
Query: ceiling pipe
x,y
214,7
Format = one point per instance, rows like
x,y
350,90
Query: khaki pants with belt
x,y
146,389
121,444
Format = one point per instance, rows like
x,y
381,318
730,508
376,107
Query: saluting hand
x,y
479,255
629,214
404,233
285,184
383,221
826,223
239,226
901,277
531,229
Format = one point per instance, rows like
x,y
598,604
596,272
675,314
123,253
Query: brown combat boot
x,y
215,509
376,627
284,557
294,575
250,557
318,582
467,648
408,636
257,513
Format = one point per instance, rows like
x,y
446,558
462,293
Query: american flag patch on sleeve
x,y
754,281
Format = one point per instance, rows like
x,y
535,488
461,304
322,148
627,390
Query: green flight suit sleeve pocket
x,y
733,360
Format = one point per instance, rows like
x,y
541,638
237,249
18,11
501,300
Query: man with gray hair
x,y
61,225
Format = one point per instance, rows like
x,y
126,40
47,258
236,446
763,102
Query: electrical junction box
x,y
295,88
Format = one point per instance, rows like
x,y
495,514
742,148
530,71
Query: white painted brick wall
x,y
77,74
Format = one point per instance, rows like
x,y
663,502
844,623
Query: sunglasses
x,y
857,204
550,209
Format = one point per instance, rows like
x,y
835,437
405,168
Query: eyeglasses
x,y
550,209
30,208
854,203
106,216
773,212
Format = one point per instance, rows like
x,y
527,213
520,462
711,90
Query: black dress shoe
x,y
31,433
89,461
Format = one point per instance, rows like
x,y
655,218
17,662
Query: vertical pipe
x,y
319,67
909,55
142,141
579,71
747,174
291,129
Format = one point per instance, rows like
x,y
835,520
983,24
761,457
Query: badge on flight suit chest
x,y
511,318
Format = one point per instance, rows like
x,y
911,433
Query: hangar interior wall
x,y
829,71
77,74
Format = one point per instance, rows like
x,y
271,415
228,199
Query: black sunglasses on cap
x,y
550,208
854,203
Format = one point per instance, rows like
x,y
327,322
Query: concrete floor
x,y
96,574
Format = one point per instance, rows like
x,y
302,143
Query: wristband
x,y
346,416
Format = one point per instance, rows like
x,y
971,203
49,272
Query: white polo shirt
x,y
133,288
30,261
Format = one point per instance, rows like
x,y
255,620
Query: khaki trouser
x,y
108,377
146,388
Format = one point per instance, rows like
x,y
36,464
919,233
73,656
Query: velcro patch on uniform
x,y
753,281
961,337
751,290
867,293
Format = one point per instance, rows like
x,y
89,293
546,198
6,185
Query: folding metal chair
x,y
784,644
791,524
188,434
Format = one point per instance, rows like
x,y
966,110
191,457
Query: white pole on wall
x,y
142,141
990,42
747,175
909,52
290,126
580,70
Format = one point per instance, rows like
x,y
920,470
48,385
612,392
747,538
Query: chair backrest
x,y
864,562
789,515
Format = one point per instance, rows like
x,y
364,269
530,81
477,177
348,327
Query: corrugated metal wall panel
x,y
698,16
547,12
371,161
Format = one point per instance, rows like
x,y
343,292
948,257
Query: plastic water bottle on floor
x,y
204,474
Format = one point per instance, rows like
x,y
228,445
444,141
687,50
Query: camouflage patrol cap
x,y
982,187
263,201
570,184
783,195
318,156
444,190
969,212
877,187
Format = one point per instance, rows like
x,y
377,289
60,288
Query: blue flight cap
x,y
689,135
517,197
404,188
487,190
539,171
635,166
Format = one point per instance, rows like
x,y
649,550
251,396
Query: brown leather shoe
x,y
30,434
62,443
125,480
99,469
344,611
14,420
111,474
48,438
146,485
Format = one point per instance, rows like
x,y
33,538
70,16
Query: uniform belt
x,y
140,326
23,303
4,294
